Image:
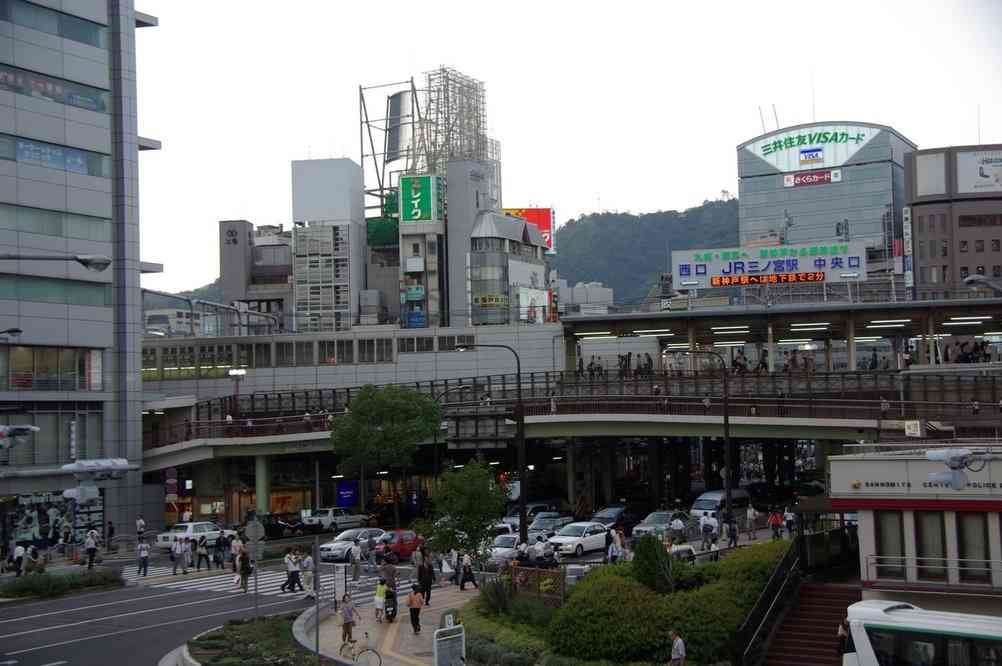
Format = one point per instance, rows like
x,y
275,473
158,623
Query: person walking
x,y
677,529
307,568
370,553
776,523
415,600
236,547
219,550
189,551
143,552
425,576
178,556
467,574
111,537
347,619
202,552
244,569
612,552
677,649
290,562
379,600
790,519
356,560
18,556
90,547
140,528
751,518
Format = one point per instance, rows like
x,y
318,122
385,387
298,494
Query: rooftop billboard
x,y
543,219
811,147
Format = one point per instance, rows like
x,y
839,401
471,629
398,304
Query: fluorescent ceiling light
x,y
963,323
890,321
677,345
743,331
872,338
735,343
886,326
338,476
810,328
812,323
689,283
457,467
601,337
993,333
656,335
531,468
728,328
794,340
595,333
849,275
653,330
558,457
970,318
383,473
494,462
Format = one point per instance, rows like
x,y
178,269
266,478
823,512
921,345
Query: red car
x,y
397,545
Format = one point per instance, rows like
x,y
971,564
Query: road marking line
x,y
150,626
389,642
55,663
112,617
107,603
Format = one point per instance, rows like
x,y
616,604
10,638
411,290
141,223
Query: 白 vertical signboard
x,y
422,199
906,233
543,219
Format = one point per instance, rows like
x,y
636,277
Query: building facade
x,y
821,182
255,272
69,187
955,200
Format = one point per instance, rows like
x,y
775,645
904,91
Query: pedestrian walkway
x,y
130,572
269,583
395,641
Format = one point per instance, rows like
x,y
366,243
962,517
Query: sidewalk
x,y
395,641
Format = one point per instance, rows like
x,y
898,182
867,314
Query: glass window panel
x,y
83,31
930,544
972,546
46,368
345,352
35,17
8,217
262,355
4,352
366,351
8,148
8,287
22,368
890,544
38,221
304,353
426,344
284,355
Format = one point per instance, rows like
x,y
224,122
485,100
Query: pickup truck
x,y
335,520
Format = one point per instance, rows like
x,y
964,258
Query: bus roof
x,y
899,615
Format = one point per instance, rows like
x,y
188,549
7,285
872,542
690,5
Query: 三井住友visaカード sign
x,y
785,264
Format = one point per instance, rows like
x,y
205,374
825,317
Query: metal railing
x,y
898,570
752,638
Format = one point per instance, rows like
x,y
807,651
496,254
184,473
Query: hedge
x,y
54,584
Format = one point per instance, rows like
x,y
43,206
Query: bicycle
x,y
361,655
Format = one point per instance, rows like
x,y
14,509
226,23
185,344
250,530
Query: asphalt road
x,y
134,625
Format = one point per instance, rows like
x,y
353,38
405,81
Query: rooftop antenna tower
x,y
761,118
775,115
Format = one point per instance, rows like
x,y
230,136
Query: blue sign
x,y
812,155
416,319
347,493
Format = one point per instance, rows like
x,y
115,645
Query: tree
x,y
382,428
468,502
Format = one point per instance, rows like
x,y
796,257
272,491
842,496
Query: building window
x,y
384,350
405,345
930,545
446,343
262,355
997,271
996,245
304,353
464,340
51,369
923,275
919,224
942,222
345,351
979,221
946,273
425,344
964,272
944,249
921,248
52,156
284,355
60,91
963,246
28,15
326,352
972,547
54,290
890,544
416,249
366,351
934,274
981,270
979,246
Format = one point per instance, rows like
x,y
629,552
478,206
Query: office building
x,y
255,272
955,201
69,188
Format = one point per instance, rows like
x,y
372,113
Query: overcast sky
x,y
628,106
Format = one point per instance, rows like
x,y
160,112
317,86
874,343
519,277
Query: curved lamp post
x,y
92,262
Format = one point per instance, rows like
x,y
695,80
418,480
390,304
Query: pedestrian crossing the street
x,y
130,572
269,583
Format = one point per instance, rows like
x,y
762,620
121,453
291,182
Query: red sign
x,y
812,178
766,278
543,219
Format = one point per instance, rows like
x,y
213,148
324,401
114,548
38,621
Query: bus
x,y
892,633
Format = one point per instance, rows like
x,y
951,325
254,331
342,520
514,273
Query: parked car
x,y
618,516
282,525
504,549
548,522
712,503
531,510
579,538
397,545
339,549
504,528
656,523
211,531
335,520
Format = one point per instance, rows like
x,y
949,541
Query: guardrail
x,y
895,571
783,584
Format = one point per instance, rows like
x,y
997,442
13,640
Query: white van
x,y
713,503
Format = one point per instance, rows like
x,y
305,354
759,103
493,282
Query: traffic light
x,y
82,494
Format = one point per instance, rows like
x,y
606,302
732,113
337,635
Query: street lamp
x,y
435,441
92,262
237,374
727,427
523,526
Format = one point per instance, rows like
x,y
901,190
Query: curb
x,y
180,656
305,625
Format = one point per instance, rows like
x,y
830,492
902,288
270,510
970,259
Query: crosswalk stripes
x,y
269,583
130,572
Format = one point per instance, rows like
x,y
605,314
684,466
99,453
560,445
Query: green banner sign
x,y
422,199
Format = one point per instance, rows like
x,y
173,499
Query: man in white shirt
x,y
143,552
751,518
677,530
708,527
179,556
236,547
539,549
307,566
677,649
18,559
90,547
140,528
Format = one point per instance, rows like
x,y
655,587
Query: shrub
x,y
495,596
54,585
608,617
530,611
499,639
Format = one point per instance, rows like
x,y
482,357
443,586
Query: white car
x,y
335,520
195,531
505,548
579,538
338,550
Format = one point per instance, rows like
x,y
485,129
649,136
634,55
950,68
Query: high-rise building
x,y
255,273
70,353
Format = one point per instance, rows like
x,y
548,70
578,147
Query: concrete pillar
x,y
788,462
713,462
828,355
850,342
771,346
769,458
679,469
692,346
570,354
569,460
931,339
262,483
608,472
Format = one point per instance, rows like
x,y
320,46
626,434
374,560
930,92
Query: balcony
x,y
932,574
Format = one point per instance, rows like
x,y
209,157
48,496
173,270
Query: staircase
x,y
807,635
